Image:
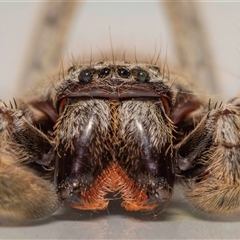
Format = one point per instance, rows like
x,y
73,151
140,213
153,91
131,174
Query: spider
x,y
131,128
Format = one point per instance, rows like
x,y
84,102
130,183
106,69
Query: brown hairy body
x,y
117,127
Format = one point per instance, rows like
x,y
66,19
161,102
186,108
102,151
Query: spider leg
x,y
208,160
25,189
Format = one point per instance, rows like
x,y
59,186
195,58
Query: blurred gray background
x,y
133,25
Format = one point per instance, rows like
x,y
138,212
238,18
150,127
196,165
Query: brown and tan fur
x,y
203,142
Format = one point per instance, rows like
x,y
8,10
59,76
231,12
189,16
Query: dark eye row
x,y
139,74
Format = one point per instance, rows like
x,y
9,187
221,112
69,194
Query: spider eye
x,y
123,72
141,75
104,72
86,75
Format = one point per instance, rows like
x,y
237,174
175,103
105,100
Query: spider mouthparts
x,y
115,93
74,199
161,195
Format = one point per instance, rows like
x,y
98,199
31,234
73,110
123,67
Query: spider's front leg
x,y
25,188
209,160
